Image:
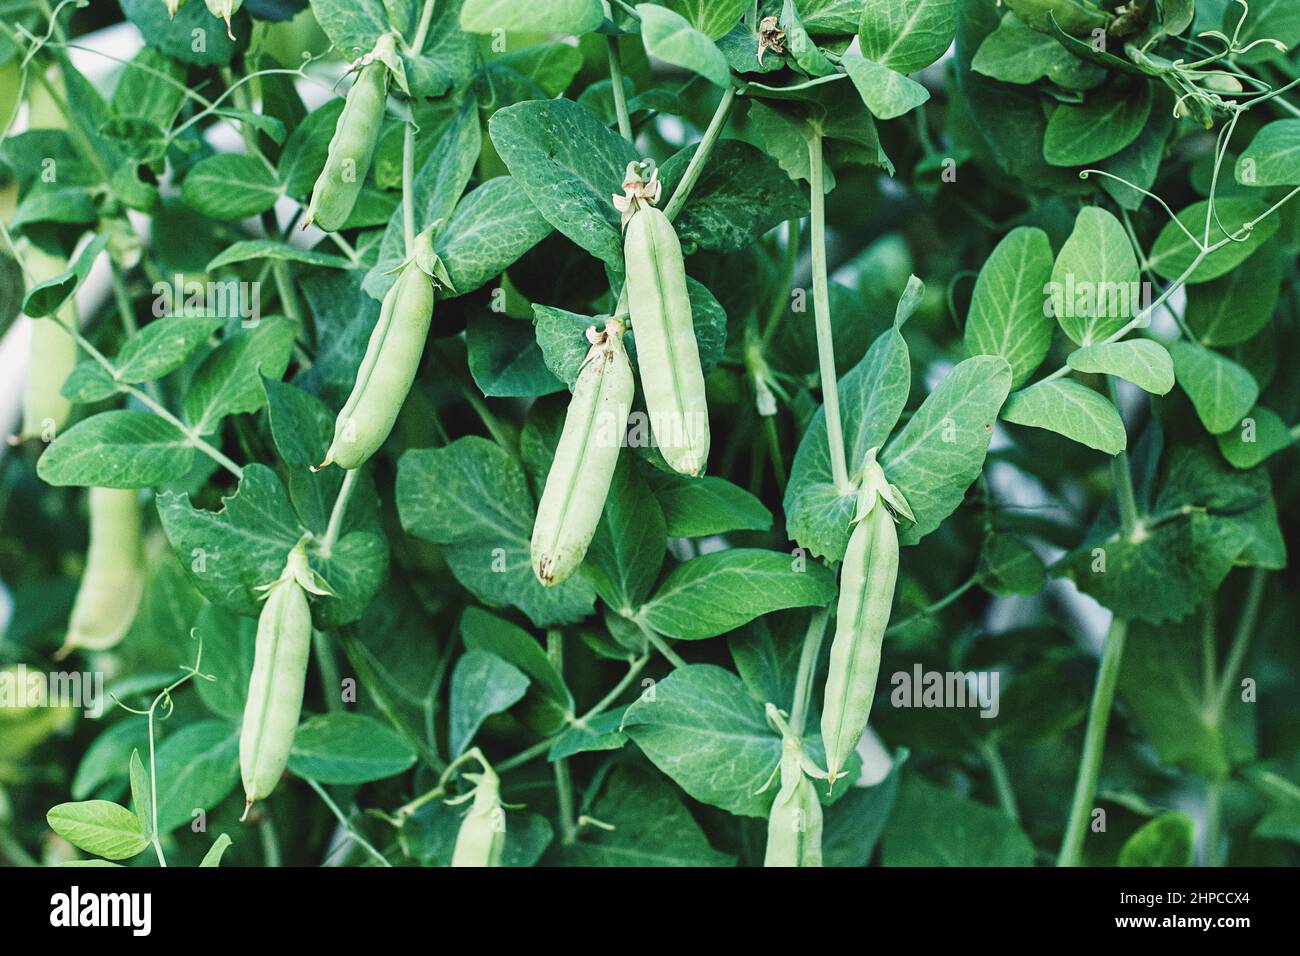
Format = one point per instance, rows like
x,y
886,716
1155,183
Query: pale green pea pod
x,y
578,482
672,379
482,835
53,356
113,580
867,580
225,9
174,5
279,677
353,146
392,358
794,824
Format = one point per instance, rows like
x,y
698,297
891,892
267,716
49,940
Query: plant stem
x,y
659,644
1001,782
564,799
616,82
329,669
408,188
634,668
696,166
339,510
812,645
1241,639
1213,822
343,822
931,609
822,315
422,31
1122,476
1094,743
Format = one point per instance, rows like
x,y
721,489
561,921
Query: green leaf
x,y
1168,840
216,852
1144,362
907,35
740,195
230,186
1162,686
175,36
1261,434
568,164
487,632
872,397
718,592
346,748
100,827
1007,316
492,227
1009,566
627,550
1069,409
694,508
117,449
472,497
703,729
482,685
1234,308
598,733
229,641
1095,289
1017,53
141,796
1174,251
670,37
930,826
1106,121
505,359
940,452
543,16
249,249
713,18
46,298
197,768
886,93
229,381
1273,156
649,826
162,347
1221,391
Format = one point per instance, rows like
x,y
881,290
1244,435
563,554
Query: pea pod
x,y
867,580
672,379
113,580
53,356
225,9
353,145
482,835
279,677
794,824
578,482
392,358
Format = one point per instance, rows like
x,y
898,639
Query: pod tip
x,y
248,805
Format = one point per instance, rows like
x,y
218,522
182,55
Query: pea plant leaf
x,y
668,36
345,748
1007,314
1069,409
99,827
941,449
907,36
1094,285
716,593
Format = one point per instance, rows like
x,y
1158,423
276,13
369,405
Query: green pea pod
x,y
353,145
225,9
392,358
585,457
279,676
53,356
794,824
113,581
482,835
867,580
671,377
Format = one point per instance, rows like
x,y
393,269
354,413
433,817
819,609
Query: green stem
x,y
1001,781
329,669
13,851
339,510
812,645
270,842
932,609
822,315
408,188
634,668
564,798
696,166
658,643
1213,822
1122,477
422,31
1094,743
616,82
356,837
1241,639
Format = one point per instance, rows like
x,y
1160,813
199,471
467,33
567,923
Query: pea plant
x,y
695,432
